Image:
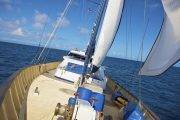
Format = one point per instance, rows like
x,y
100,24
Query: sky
x,y
31,22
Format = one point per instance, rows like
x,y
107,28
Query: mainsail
x,y
91,45
166,50
108,31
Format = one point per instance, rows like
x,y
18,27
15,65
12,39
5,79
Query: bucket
x,y
83,93
97,101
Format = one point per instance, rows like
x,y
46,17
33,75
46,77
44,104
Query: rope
x,y
58,25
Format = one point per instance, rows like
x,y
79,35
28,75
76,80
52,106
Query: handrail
x,y
14,91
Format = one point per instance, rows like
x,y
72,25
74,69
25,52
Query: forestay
x,y
166,50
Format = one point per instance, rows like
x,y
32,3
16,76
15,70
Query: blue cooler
x,y
83,93
72,102
132,112
97,100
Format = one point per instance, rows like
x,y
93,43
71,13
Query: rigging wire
x,y
35,61
92,1
48,50
130,26
142,49
126,38
45,58
82,12
140,53
83,16
126,51
130,31
141,59
58,25
39,45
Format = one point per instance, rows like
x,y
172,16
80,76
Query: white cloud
x,y
12,26
154,4
40,19
23,20
8,7
64,23
6,4
83,30
5,1
9,25
18,32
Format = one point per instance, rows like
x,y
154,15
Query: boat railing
x,y
14,91
148,114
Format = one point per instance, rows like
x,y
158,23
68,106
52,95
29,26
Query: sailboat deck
x,y
51,90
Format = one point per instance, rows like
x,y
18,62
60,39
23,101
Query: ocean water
x,y
161,93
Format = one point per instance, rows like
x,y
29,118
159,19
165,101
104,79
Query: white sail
x,y
166,50
109,28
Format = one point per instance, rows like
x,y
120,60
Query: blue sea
x,y
161,93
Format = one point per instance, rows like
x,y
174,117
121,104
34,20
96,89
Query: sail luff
x,y
166,50
108,31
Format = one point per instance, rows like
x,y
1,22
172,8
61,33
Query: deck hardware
x,y
36,90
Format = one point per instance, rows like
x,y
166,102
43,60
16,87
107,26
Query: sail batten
x,y
108,31
166,50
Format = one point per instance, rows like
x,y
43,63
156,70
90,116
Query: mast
x,y
91,46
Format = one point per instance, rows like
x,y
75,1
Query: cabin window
x,y
76,56
75,68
